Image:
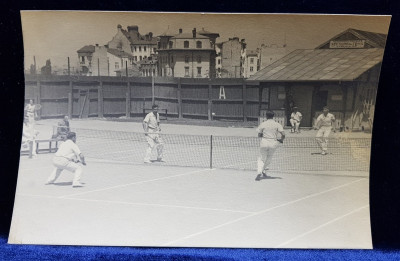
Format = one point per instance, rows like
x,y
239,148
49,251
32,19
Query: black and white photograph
x,y
197,129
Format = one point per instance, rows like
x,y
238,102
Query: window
x,y
145,48
186,44
219,61
170,44
186,59
135,58
158,44
198,44
187,71
198,71
154,50
116,65
172,59
140,48
251,68
83,59
140,58
251,60
199,59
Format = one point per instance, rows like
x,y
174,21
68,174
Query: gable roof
x,y
86,49
135,37
376,40
321,65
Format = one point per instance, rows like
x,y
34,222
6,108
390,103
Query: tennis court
x,y
128,203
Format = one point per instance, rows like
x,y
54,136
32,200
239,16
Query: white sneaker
x,y
77,185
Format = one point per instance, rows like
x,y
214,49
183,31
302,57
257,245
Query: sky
x,y
56,35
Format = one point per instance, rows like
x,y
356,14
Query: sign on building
x,y
347,44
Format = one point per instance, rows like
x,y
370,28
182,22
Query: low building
x,y
85,59
341,73
148,66
251,63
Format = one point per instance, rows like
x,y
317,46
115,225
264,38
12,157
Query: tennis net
x,y
206,151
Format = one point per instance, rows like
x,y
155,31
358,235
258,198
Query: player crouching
x,y
66,158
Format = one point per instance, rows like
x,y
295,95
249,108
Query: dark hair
x,y
71,135
269,114
325,107
154,106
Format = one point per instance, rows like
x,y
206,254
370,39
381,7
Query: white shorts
x,y
64,163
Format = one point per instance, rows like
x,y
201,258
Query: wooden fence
x,y
86,96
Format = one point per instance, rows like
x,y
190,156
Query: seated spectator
x,y
62,129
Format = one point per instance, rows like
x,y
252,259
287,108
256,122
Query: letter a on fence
x,y
222,93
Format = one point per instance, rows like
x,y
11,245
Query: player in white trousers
x,y
324,124
30,112
66,158
151,127
295,119
268,132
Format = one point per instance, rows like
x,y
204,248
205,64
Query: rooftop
x,y
86,49
321,64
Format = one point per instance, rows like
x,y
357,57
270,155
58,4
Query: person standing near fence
x,y
30,111
29,135
324,124
67,158
268,131
151,127
295,119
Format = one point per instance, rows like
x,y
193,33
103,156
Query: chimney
x,y
194,32
180,30
133,28
151,36
119,27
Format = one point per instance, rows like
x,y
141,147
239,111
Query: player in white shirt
x,y
29,135
324,124
30,111
151,127
268,131
66,158
295,119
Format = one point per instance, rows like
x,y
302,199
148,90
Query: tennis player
x,y
295,119
29,135
324,124
67,158
30,111
151,127
268,131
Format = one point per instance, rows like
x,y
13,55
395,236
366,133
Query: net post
x,y
211,151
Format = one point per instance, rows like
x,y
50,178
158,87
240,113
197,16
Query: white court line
x,y
321,226
134,183
260,212
134,203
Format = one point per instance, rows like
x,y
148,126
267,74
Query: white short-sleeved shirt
x,y
296,116
270,129
325,121
68,149
152,120
30,108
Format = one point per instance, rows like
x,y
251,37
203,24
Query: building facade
x,y
251,63
189,55
232,56
132,42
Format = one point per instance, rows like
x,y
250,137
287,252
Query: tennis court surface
x,y
307,202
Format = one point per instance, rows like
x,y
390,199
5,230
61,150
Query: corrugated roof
x,y
86,49
119,53
321,64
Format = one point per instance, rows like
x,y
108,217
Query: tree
x,y
46,70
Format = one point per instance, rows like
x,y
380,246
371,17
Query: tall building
x,y
251,63
132,42
189,55
232,56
